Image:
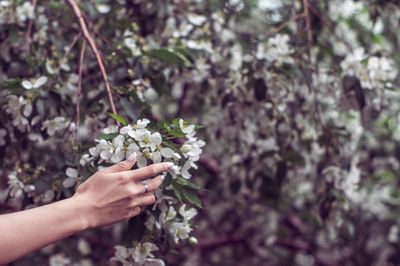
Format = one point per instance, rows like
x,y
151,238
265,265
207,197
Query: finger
x,y
148,171
135,211
143,200
152,185
122,166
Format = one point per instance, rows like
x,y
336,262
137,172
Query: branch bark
x,y
93,46
78,98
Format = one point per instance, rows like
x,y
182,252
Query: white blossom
x,y
180,231
36,84
142,251
25,12
54,125
187,214
72,174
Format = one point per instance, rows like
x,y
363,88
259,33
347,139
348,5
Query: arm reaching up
x,y
110,195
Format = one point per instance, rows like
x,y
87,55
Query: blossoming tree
x,y
300,109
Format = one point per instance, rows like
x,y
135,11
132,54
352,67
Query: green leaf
x,y
192,197
186,183
169,56
178,191
108,136
175,121
12,85
118,118
161,124
176,133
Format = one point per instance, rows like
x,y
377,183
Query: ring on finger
x,y
146,188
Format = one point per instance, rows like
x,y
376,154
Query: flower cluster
x,y
117,144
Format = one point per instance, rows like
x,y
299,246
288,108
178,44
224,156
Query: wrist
x,y
80,212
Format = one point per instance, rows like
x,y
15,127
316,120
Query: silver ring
x,y
146,188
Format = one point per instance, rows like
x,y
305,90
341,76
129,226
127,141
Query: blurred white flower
x,y
54,125
59,260
102,8
187,214
110,129
84,247
36,84
122,254
20,109
25,12
142,251
393,235
180,231
72,174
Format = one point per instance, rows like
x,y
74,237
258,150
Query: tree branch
x,y
78,98
76,38
93,46
28,32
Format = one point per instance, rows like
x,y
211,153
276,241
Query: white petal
x,y
188,130
119,141
105,155
133,147
40,81
27,84
49,195
71,172
156,157
69,182
156,138
167,152
118,156
142,123
125,130
93,151
141,161
27,110
103,9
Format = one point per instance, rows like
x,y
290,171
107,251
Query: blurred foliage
x,y
301,115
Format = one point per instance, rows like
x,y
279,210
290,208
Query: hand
x,y
116,193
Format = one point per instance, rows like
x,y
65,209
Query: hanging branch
x,y
28,32
93,46
64,58
310,83
78,98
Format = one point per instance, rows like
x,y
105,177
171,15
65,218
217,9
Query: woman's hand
x,y
117,193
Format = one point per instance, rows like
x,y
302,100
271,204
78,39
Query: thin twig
x,y
309,33
331,28
283,25
93,46
28,32
78,98
310,82
64,58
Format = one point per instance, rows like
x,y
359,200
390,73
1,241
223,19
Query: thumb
x,y
123,165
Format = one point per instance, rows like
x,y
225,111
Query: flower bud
x,y
193,240
176,156
186,148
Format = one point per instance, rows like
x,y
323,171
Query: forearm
x,y
25,231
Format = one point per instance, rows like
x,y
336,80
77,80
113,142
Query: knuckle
x,y
132,192
123,178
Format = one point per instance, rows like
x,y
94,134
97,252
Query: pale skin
x,y
111,195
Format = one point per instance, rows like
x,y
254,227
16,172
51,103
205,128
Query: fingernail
x,y
163,178
132,157
169,164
